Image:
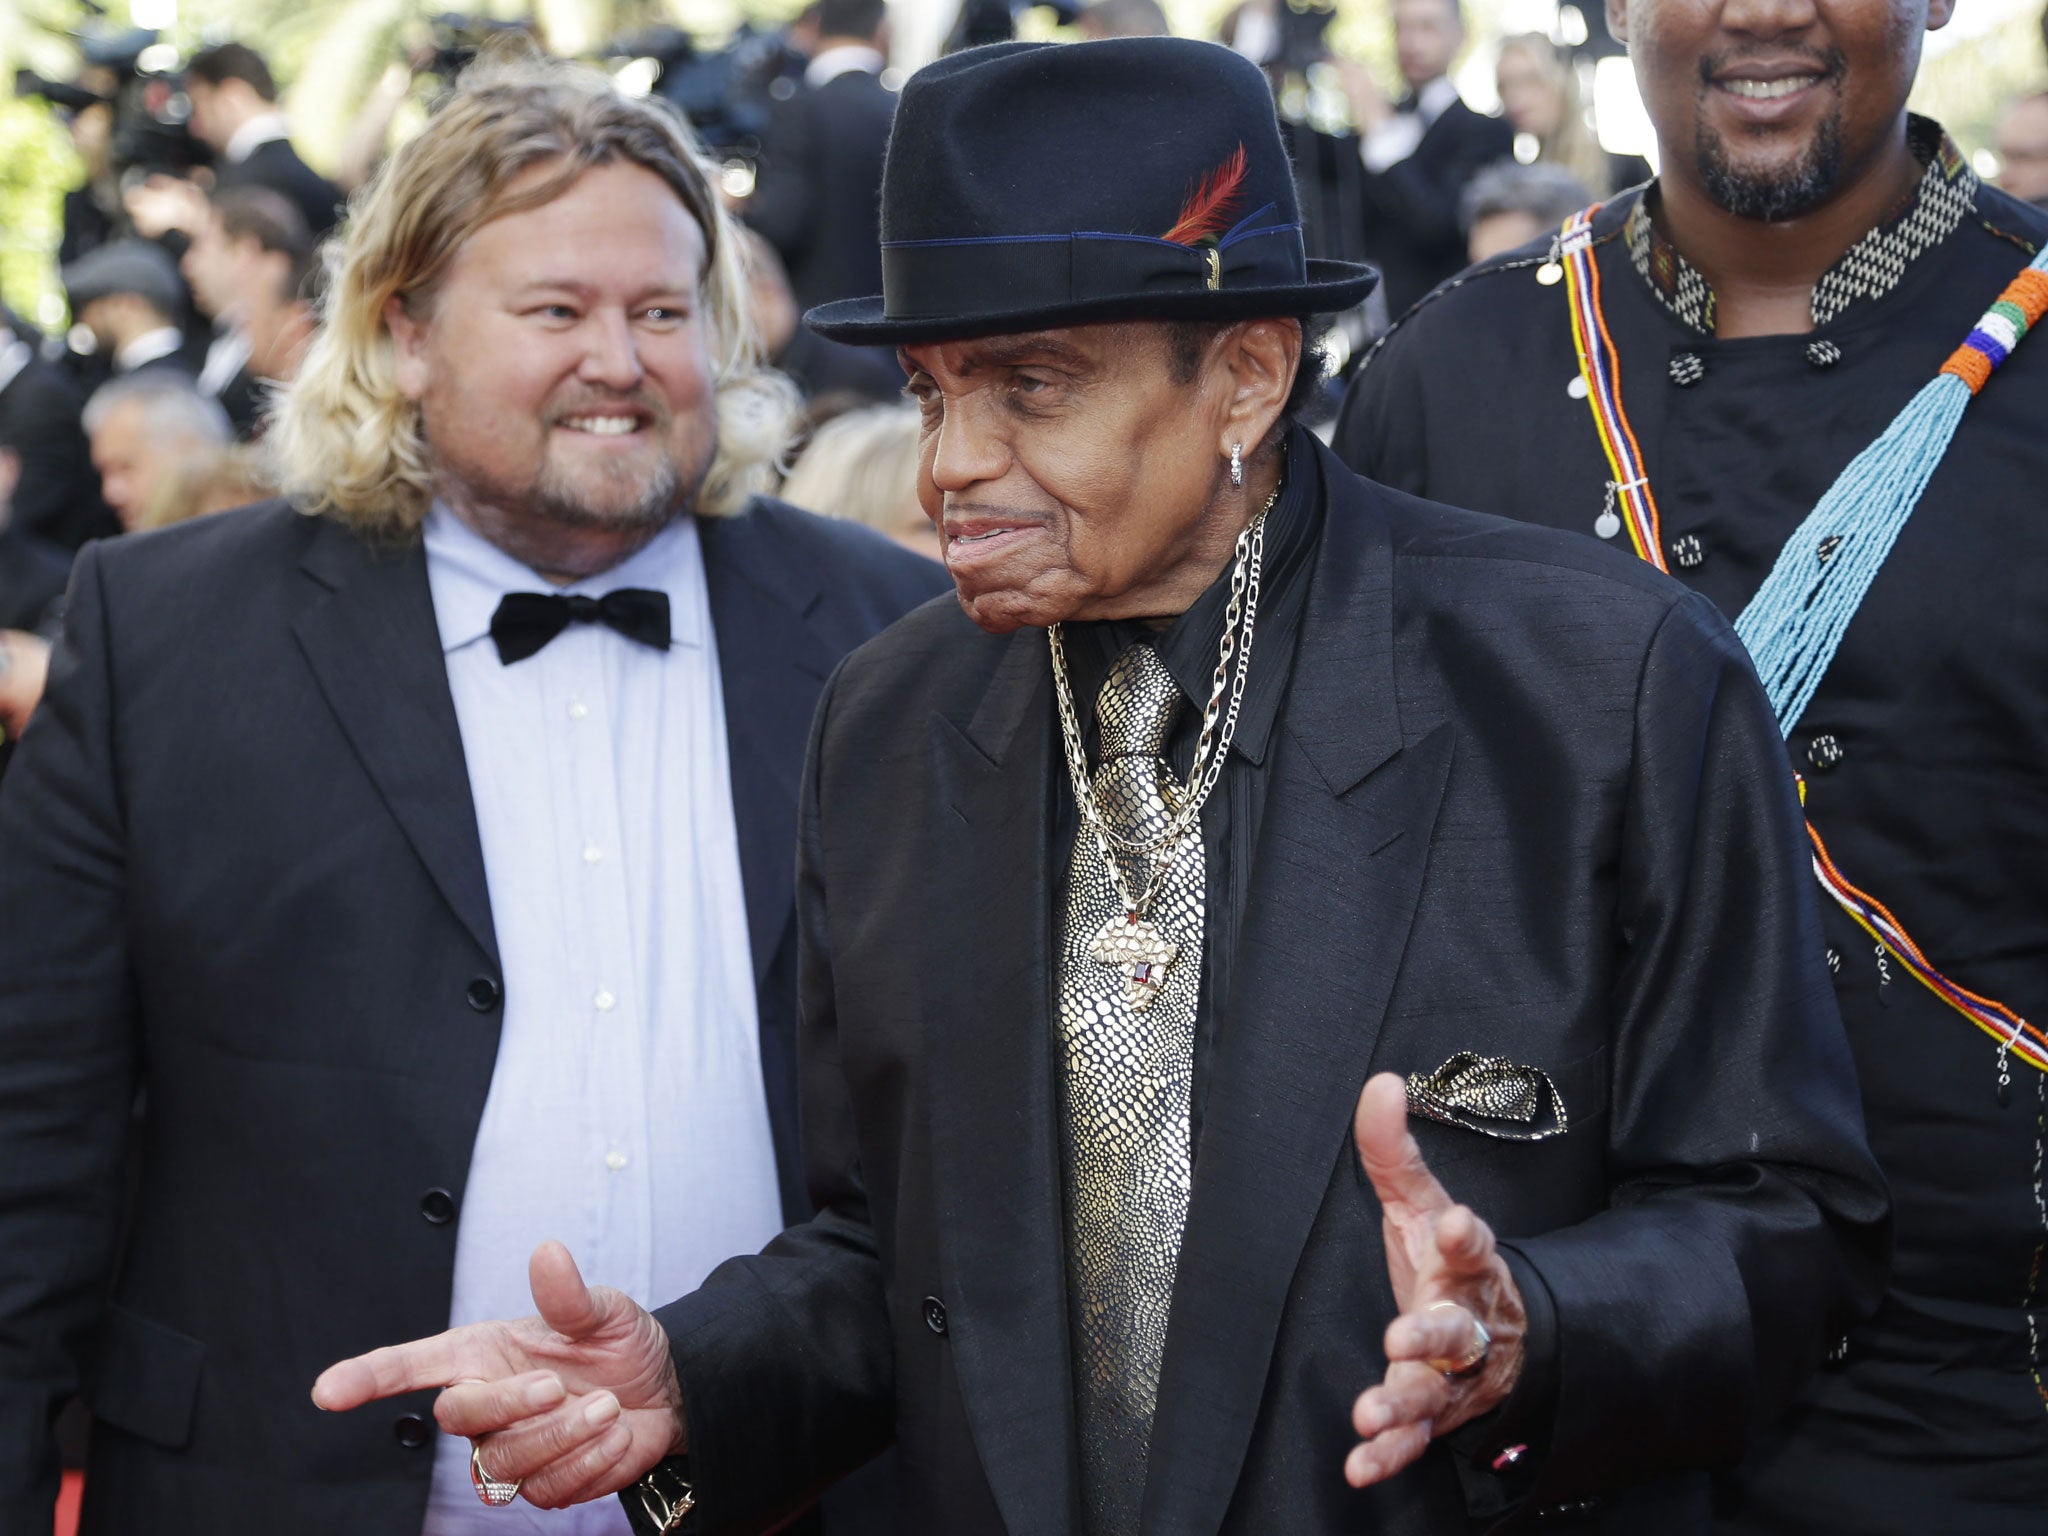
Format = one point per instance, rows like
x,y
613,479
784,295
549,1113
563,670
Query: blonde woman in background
x,y
863,466
1539,96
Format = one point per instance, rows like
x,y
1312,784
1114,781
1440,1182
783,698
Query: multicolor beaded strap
x,y
1628,493
1796,620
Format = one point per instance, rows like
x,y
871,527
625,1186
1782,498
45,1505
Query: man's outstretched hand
x,y
1438,1252
578,1402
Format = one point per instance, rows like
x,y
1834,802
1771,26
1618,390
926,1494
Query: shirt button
x,y
1822,354
578,709
1824,752
604,1002
592,854
935,1315
411,1430
1687,369
615,1161
1576,388
438,1206
1688,552
483,993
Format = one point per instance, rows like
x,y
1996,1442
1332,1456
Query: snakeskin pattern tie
x,y
1126,1040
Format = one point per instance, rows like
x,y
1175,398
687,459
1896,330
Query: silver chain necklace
x,y
1212,747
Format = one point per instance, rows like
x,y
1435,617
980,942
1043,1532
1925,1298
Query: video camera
x,y
723,92
148,131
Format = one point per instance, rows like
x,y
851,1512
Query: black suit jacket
x,y
58,499
1412,232
818,199
1526,800
242,874
276,165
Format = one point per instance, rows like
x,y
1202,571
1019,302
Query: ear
x,y
408,349
1940,13
1259,358
1617,20
10,477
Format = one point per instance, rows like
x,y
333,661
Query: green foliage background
x,y
330,54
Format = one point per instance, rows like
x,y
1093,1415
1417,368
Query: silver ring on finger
x,y
494,1491
1473,1361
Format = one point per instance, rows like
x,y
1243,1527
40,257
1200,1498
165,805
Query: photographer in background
x,y
820,178
235,113
1419,152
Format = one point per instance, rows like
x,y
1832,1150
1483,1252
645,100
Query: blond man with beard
x,y
426,861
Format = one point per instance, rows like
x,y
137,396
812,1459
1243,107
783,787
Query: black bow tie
x,y
526,621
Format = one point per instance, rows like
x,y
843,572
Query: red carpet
x,y
67,1504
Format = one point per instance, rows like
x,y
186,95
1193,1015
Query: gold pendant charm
x,y
1129,944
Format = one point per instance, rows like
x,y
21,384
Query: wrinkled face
x,y
1426,38
133,462
1769,107
563,367
1529,96
1070,474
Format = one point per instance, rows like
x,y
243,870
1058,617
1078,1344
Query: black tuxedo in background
x,y
58,499
1412,233
242,873
1525,799
276,165
818,197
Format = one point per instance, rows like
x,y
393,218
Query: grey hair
x,y
170,404
1549,194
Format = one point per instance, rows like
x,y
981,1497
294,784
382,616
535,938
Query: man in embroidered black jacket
x,y
1804,264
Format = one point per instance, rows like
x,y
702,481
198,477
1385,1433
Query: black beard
x,y
1780,195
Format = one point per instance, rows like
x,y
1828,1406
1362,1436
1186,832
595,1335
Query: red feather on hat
x,y
1206,213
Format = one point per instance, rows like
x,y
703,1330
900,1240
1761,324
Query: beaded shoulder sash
x,y
1796,620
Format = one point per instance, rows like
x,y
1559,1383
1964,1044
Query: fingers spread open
x,y
1434,1333
1391,1158
473,1408
1382,1456
1464,1241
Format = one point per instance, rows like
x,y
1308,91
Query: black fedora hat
x,y
1041,184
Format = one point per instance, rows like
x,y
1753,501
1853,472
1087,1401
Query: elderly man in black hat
x,y
1312,1012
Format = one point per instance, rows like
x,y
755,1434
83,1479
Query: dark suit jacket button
x,y
438,1206
484,993
411,1430
935,1314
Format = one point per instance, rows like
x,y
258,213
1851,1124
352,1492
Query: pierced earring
x,y
1237,465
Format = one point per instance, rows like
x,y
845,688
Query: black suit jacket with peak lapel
x,y
1527,800
240,870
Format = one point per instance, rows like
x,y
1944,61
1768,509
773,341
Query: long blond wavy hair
x,y
346,443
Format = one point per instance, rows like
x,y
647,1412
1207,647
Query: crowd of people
x,y
1434,1075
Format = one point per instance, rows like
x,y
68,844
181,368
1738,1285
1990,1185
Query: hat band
x,y
1008,274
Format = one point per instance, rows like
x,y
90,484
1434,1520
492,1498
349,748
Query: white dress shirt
x,y
1401,135
263,128
148,347
842,59
627,1114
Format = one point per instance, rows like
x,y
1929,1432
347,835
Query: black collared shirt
x,y
1231,817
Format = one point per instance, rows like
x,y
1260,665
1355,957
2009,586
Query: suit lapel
x,y
1339,870
771,660
370,637
992,1106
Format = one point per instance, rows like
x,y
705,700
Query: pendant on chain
x,y
1128,943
